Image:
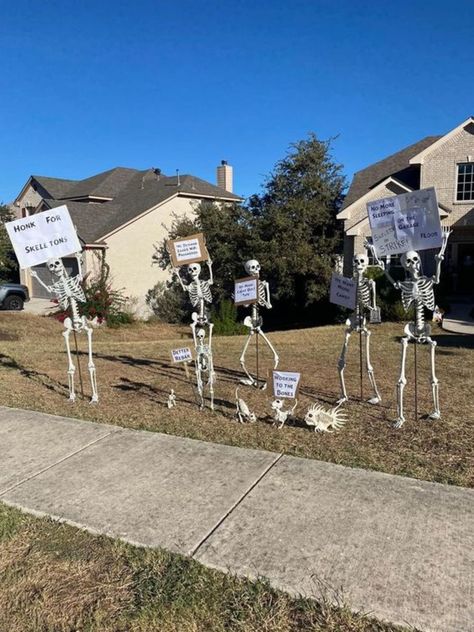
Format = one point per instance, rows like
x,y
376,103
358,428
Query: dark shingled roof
x,y
396,165
133,193
55,187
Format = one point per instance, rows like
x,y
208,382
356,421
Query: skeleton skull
x,y
200,334
55,266
360,263
252,267
194,270
277,404
411,261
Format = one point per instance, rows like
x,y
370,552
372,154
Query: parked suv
x,y
13,295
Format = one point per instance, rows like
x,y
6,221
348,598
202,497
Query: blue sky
x,y
90,85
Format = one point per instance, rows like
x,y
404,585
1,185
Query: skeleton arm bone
x,y
266,285
381,265
211,278
440,256
184,286
48,288
373,294
78,256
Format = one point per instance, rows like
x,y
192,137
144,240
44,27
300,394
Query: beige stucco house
x,y
126,212
445,162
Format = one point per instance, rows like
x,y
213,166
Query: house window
x,y
465,185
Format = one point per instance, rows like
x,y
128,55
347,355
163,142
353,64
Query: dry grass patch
x,y
54,577
135,375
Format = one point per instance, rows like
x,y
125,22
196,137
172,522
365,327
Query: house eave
x,y
346,213
419,158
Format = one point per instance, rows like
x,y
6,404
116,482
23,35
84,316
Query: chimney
x,y
224,176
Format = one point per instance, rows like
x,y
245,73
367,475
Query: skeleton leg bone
x,y
249,381
276,358
402,380
436,414
341,365
91,365
370,370
71,368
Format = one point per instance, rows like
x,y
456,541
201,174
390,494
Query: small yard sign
x,y
405,222
246,290
343,291
181,355
286,384
42,236
187,250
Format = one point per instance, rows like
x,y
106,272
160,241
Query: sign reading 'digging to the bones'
x,y
181,355
246,291
405,222
343,291
286,384
42,236
187,250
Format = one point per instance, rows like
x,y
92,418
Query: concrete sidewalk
x,y
459,320
400,548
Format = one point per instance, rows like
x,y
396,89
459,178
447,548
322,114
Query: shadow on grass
x,y
44,379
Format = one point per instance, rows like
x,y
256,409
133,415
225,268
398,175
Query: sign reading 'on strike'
x,y
42,236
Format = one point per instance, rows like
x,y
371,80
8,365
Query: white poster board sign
x,y
286,384
246,291
188,250
42,236
405,222
343,291
181,355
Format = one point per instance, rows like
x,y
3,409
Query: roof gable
x,y
419,157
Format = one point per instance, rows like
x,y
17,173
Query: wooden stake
x,y
78,364
256,346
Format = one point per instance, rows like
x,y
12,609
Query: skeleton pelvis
x,y
418,333
253,324
354,322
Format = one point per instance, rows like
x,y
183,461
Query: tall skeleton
x,y
418,291
68,290
357,322
254,321
199,291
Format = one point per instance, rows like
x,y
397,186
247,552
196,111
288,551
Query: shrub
x,y
225,320
167,302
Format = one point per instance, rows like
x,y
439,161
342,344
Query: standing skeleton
x,y
254,321
69,292
199,292
366,300
417,291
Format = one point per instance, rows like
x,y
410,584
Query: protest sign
x,y
42,236
246,290
181,355
343,291
286,384
187,250
405,222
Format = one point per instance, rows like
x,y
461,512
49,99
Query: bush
x,y
167,302
388,298
225,320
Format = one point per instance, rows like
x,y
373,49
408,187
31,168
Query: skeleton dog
x,y
69,292
418,291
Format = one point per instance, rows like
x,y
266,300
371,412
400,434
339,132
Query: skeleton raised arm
x,y
440,256
381,264
48,288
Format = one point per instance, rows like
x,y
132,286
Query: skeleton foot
x,y
435,415
342,400
398,423
374,400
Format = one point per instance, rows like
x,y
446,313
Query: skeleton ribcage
x,y
420,291
363,292
67,288
198,290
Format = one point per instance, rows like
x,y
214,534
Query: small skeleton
x,y
199,291
171,403
254,321
417,291
322,419
357,322
242,410
69,293
281,416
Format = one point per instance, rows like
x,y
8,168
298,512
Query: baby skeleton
x,y
69,292
417,291
254,321
199,292
366,300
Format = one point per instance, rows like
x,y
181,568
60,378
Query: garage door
x,y
38,291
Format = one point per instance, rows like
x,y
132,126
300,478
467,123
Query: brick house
x,y
124,211
445,162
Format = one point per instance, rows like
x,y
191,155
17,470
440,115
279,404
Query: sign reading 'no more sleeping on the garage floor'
x,y
43,236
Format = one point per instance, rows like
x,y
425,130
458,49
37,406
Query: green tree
x,y
8,262
295,221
